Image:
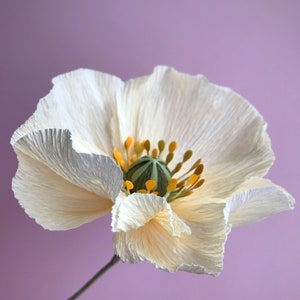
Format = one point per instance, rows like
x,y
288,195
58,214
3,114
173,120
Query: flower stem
x,y
112,262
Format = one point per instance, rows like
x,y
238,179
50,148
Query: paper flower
x,y
176,159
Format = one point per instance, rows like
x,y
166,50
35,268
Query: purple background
x,y
250,46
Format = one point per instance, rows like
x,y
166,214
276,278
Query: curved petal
x,y
199,252
256,200
53,148
136,210
216,123
83,102
210,229
52,201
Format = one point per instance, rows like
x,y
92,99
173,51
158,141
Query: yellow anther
x,y
119,159
128,142
177,168
161,146
195,165
180,184
169,157
138,148
147,145
127,145
150,185
154,153
133,158
117,156
172,146
187,155
143,145
123,165
128,185
199,170
199,183
173,181
172,184
192,179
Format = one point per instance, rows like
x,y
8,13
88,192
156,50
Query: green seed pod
x,y
146,168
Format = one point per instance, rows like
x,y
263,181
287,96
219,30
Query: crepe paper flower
x,y
175,159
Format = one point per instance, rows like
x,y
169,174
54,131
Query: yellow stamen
x,y
195,165
177,168
199,170
169,157
199,183
119,159
138,148
172,184
150,185
133,158
154,153
117,155
192,179
123,165
161,146
128,142
147,146
180,184
172,146
128,185
187,155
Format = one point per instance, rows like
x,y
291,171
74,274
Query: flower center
x,y
147,171
149,168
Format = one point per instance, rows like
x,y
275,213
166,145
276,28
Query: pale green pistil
x,y
148,168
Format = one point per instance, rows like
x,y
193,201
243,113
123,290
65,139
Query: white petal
x,y
53,148
199,252
205,246
216,123
138,209
256,200
52,201
82,101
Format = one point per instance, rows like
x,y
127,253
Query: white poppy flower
x,y
176,159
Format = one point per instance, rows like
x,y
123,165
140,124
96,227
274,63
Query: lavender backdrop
x,y
251,46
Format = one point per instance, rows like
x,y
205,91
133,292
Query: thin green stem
x,y
112,262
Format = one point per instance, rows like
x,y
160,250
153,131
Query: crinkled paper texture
x,y
67,177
